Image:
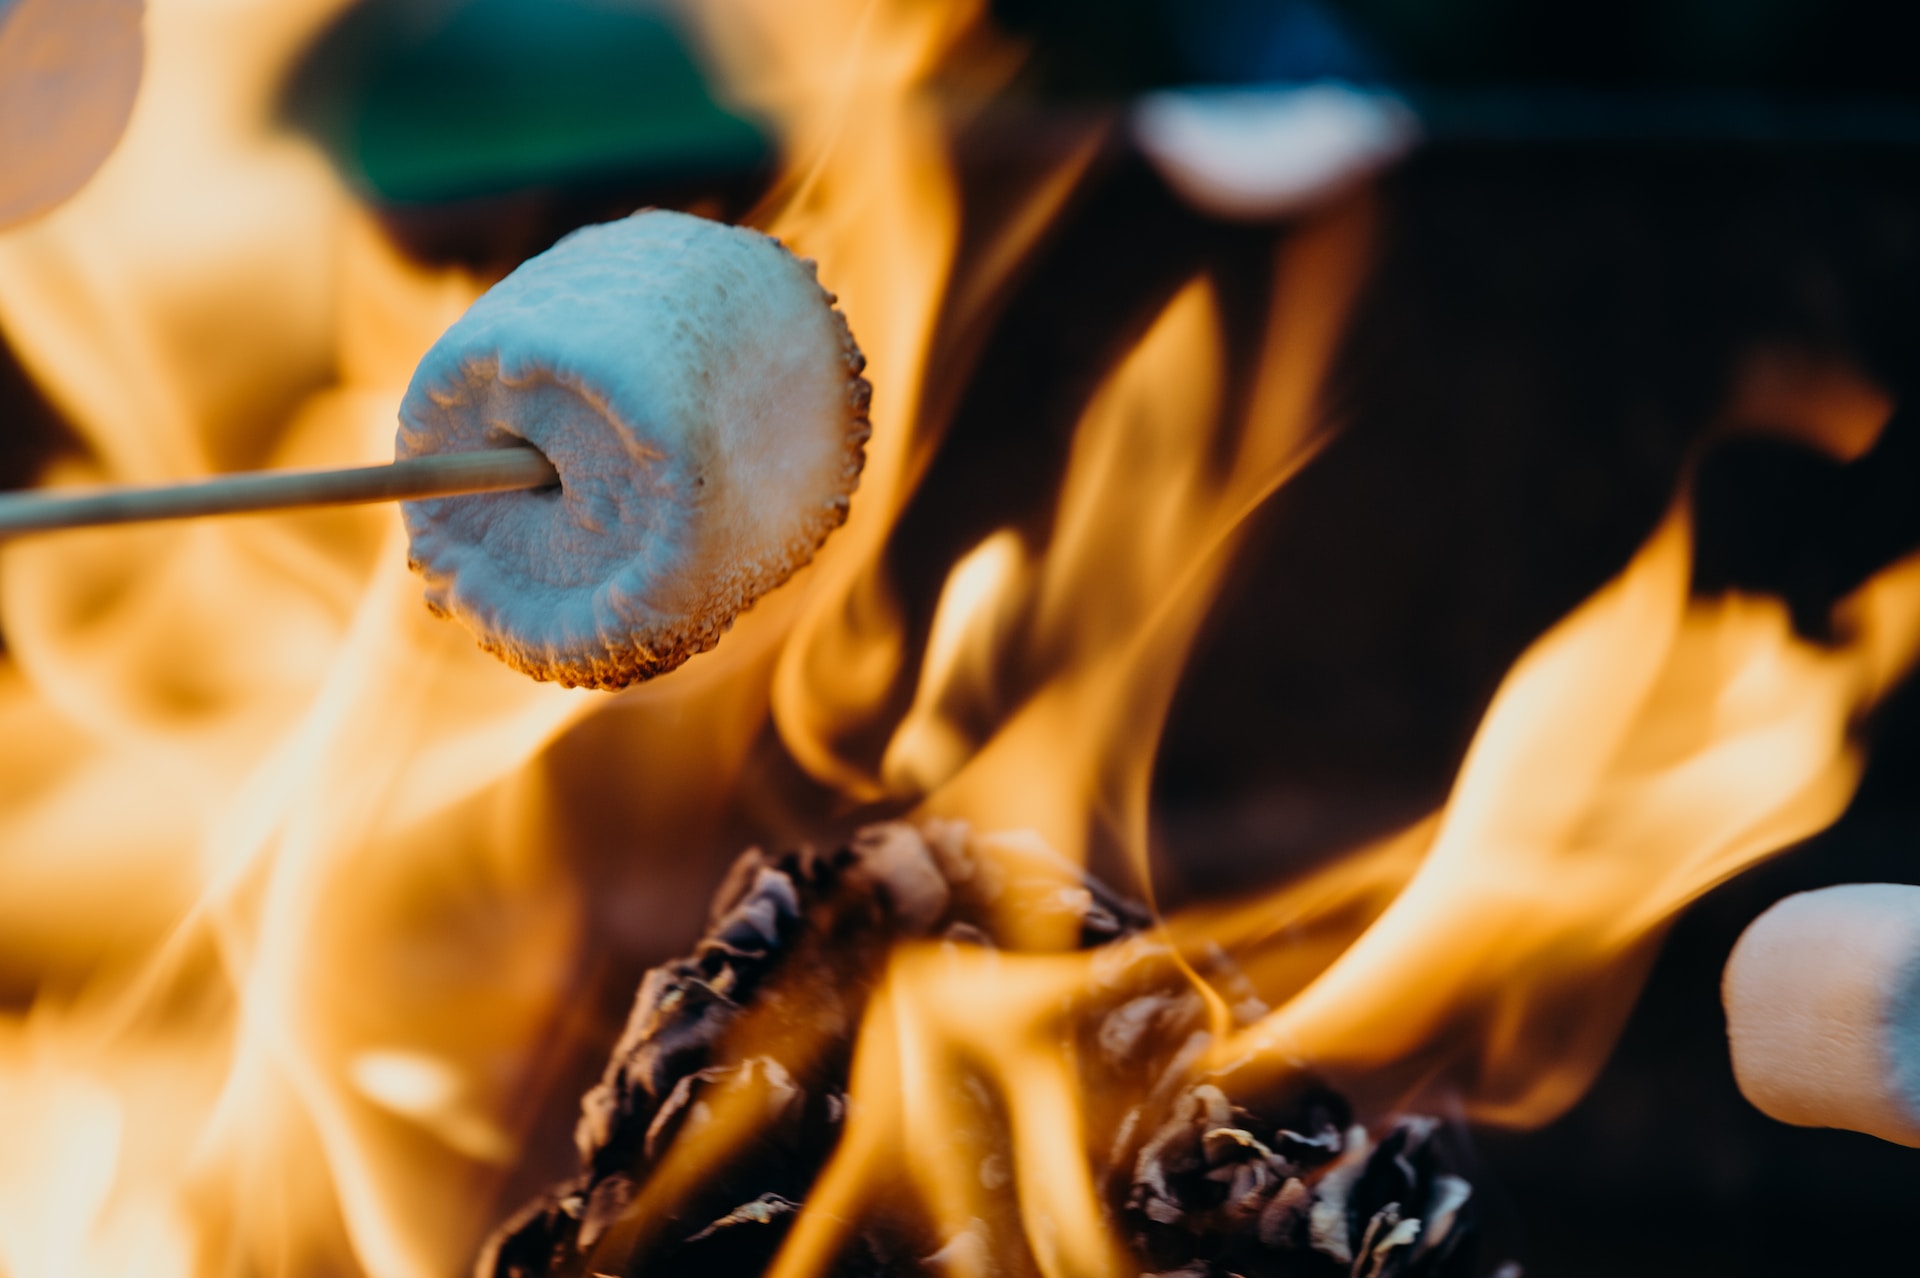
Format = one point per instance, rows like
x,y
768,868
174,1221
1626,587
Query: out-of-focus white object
x,y
1822,995
69,72
1259,153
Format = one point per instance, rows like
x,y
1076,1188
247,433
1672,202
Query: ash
x,y
1196,1183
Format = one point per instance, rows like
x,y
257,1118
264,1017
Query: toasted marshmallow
x,y
702,402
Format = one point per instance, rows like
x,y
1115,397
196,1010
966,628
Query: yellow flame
x,y
869,196
869,193
941,1013
1647,748
284,941
1097,625
258,824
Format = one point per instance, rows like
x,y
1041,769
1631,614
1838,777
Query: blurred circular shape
x,y
1270,151
69,72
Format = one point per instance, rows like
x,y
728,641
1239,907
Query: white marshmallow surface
x,y
1822,994
702,402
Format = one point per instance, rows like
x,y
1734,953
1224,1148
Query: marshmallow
x,y
1822,994
701,400
69,72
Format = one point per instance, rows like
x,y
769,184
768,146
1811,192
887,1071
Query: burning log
x,y
730,1088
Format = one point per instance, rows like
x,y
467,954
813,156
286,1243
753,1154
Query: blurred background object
x,y
69,72
1254,154
443,112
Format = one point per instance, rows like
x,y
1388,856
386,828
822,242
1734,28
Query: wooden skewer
x,y
437,475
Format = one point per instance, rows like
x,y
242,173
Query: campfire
x,y
880,938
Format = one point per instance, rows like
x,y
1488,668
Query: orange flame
x,y
247,780
1646,749
1099,624
273,843
868,194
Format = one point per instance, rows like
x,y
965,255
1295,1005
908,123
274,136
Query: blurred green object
x,y
432,101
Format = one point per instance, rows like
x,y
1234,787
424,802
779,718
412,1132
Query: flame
x,y
869,196
285,944
247,780
939,1015
1648,747
1096,627
1645,749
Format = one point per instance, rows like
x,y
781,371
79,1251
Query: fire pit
x,y
1290,663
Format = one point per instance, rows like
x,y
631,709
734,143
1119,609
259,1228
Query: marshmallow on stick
x,y
1822,996
701,400
666,414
